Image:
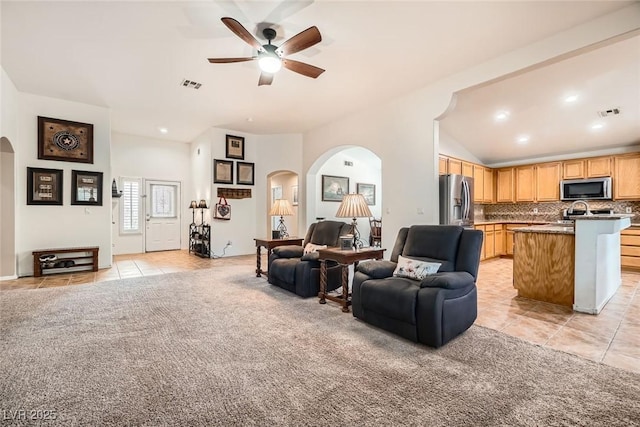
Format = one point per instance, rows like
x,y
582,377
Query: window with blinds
x,y
130,209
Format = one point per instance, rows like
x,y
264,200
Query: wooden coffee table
x,y
270,244
345,258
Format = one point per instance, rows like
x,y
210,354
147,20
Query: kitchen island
x,y
576,266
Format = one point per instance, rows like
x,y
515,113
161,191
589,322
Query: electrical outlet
x,y
628,209
229,243
535,210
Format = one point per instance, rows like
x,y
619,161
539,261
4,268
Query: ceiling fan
x,y
271,58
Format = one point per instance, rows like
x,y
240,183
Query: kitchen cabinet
x,y
488,185
505,180
508,238
525,183
467,169
481,228
598,167
626,181
454,166
573,169
489,244
630,248
548,182
499,240
478,184
442,165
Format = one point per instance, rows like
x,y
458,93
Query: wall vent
x,y
610,112
348,163
191,84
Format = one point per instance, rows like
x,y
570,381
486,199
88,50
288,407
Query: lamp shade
x,y
281,207
203,204
193,204
353,206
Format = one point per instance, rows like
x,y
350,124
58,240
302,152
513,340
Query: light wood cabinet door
x,y
505,185
598,167
525,183
490,244
573,169
626,181
548,182
442,165
478,183
484,238
508,240
467,169
488,185
454,166
630,248
499,240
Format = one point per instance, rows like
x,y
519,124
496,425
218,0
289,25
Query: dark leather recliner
x,y
431,311
294,271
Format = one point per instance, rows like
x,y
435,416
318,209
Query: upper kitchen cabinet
x,y
478,184
488,185
525,183
595,167
454,166
467,169
442,165
505,185
548,177
573,169
626,179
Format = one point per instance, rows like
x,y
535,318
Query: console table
x,y
344,257
270,244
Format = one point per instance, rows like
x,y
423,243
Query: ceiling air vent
x,y
191,84
610,112
348,163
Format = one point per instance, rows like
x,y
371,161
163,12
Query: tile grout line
x,y
635,291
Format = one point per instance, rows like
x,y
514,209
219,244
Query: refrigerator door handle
x,y
468,196
465,200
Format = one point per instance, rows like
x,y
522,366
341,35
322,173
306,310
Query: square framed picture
x,y
44,186
222,171
368,191
245,173
334,188
234,147
64,140
86,188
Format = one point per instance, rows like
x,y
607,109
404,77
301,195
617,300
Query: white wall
x,y
402,132
155,159
43,227
270,153
450,146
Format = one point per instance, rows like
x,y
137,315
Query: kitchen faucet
x,y
586,205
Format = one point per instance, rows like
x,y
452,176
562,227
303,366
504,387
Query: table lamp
x,y
354,206
202,206
193,206
282,208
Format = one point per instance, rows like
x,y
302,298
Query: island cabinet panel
x,y
442,165
630,248
548,182
467,169
454,166
525,184
543,267
573,169
478,184
598,167
505,185
626,181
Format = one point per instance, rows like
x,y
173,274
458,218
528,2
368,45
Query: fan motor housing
x,y
269,34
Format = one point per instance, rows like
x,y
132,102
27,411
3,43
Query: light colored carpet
x,y
221,347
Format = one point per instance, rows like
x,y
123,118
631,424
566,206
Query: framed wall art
x,y
334,188
222,171
234,147
86,188
65,140
368,191
44,186
245,173
294,195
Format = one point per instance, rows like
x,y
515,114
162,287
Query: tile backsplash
x,y
545,211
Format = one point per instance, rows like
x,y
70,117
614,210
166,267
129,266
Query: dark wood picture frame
x,y
245,173
234,147
368,191
65,140
86,188
222,171
334,188
44,186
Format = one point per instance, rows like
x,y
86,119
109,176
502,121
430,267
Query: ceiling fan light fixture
x,y
269,63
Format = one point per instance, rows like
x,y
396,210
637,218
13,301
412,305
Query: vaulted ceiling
x,y
133,56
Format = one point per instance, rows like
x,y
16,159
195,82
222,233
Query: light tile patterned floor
x,y
612,337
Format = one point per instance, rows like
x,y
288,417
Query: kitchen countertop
x,y
600,217
509,221
547,228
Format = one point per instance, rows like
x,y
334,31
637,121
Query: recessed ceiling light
x,y
597,126
570,98
501,116
163,130
523,139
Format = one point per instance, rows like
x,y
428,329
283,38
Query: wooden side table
x,y
345,258
270,244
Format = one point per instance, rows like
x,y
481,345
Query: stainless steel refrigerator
x,y
456,200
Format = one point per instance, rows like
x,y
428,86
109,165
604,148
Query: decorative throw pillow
x,y
310,247
417,270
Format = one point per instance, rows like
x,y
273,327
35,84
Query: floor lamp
x,y
281,208
354,206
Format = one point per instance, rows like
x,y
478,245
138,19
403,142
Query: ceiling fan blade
x,y
228,60
302,68
265,79
300,41
242,32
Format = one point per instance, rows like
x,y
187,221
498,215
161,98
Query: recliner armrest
x,y
448,280
377,269
288,251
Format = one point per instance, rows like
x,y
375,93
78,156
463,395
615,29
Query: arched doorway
x,y
283,184
7,211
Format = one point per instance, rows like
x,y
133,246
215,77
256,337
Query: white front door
x,y
162,216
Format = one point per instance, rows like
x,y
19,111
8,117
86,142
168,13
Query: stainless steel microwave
x,y
586,189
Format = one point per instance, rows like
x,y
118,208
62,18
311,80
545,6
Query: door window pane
x,y
163,201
